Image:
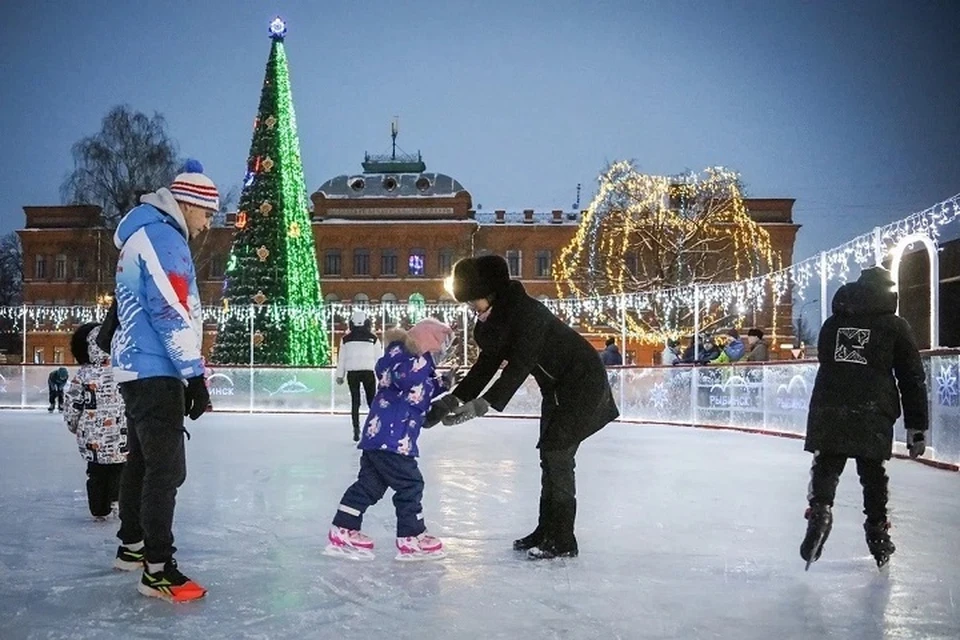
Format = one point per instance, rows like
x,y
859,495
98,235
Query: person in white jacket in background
x,y
359,351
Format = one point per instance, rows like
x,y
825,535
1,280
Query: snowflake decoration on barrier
x,y
658,396
947,391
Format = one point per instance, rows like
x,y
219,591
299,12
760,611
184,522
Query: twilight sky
x,y
851,107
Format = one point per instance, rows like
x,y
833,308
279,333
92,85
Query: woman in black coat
x,y
869,366
515,329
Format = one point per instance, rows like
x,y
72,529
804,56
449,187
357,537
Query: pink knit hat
x,y
431,335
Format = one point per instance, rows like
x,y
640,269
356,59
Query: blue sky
x,y
852,108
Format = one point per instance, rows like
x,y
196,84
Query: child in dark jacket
x,y
94,413
407,381
56,381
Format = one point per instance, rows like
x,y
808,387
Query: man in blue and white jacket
x,y
156,360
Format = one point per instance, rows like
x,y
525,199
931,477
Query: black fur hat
x,y
78,342
475,278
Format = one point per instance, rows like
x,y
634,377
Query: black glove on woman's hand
x,y
196,397
440,409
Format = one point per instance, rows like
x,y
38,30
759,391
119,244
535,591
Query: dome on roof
x,y
391,185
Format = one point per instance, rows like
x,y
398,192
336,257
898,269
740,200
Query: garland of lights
x,y
680,230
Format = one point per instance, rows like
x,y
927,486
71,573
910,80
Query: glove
x,y
440,409
196,397
468,411
916,442
339,380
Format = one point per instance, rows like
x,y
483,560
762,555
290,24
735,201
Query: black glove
x,y
467,411
196,397
916,442
439,410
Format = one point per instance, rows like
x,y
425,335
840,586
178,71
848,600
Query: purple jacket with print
x,y
406,384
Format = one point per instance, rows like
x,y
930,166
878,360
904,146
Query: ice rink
x,y
684,534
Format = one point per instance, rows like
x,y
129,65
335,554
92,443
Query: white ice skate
x,y
349,544
421,547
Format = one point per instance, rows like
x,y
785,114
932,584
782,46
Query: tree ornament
x,y
271,122
259,298
258,338
263,253
266,208
241,220
267,164
294,230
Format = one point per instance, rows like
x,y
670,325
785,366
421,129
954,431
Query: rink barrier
x,y
768,398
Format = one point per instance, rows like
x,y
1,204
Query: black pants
x,y
103,486
380,470
558,496
354,380
56,399
156,464
825,475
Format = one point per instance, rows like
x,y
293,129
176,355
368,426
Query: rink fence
x,y
770,398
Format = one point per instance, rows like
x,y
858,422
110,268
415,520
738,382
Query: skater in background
x,y
156,360
869,365
56,381
731,347
94,412
610,356
577,401
359,351
756,347
669,356
407,382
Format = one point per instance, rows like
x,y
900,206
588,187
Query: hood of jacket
x,y
864,298
157,207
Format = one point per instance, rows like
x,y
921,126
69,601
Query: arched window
x,y
331,297
361,297
388,297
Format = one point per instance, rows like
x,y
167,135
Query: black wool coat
x,y
866,352
577,400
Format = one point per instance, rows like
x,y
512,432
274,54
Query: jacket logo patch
x,y
850,344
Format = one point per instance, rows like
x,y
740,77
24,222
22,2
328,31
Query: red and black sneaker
x,y
170,585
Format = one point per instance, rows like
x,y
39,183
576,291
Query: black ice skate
x,y
878,540
819,522
529,542
548,550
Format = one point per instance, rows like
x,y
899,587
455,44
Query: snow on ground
x,y
684,534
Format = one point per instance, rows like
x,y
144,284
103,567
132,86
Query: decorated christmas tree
x,y
272,270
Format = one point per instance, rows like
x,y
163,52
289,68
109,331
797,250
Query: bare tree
x,y
645,233
11,270
130,155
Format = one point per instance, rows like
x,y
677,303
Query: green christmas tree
x,y
272,269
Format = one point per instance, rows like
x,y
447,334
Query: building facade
x,y
390,232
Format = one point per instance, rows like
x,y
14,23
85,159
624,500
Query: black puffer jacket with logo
x,y
869,363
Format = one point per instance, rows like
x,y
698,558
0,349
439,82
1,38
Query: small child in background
x,y
55,384
95,413
407,381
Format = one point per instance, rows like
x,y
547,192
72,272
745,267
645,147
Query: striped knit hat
x,y
192,187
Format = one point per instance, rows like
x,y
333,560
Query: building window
x,y
217,267
361,262
388,297
79,269
631,264
331,262
513,263
60,267
331,297
38,357
58,355
417,262
388,262
40,267
542,269
446,262
361,298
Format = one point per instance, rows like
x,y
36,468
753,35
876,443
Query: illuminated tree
x,y
645,233
273,263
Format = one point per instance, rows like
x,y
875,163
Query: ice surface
x,y
684,534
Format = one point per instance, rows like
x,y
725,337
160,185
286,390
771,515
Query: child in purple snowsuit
x,y
407,381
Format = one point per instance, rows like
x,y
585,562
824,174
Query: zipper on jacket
x,y
545,372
